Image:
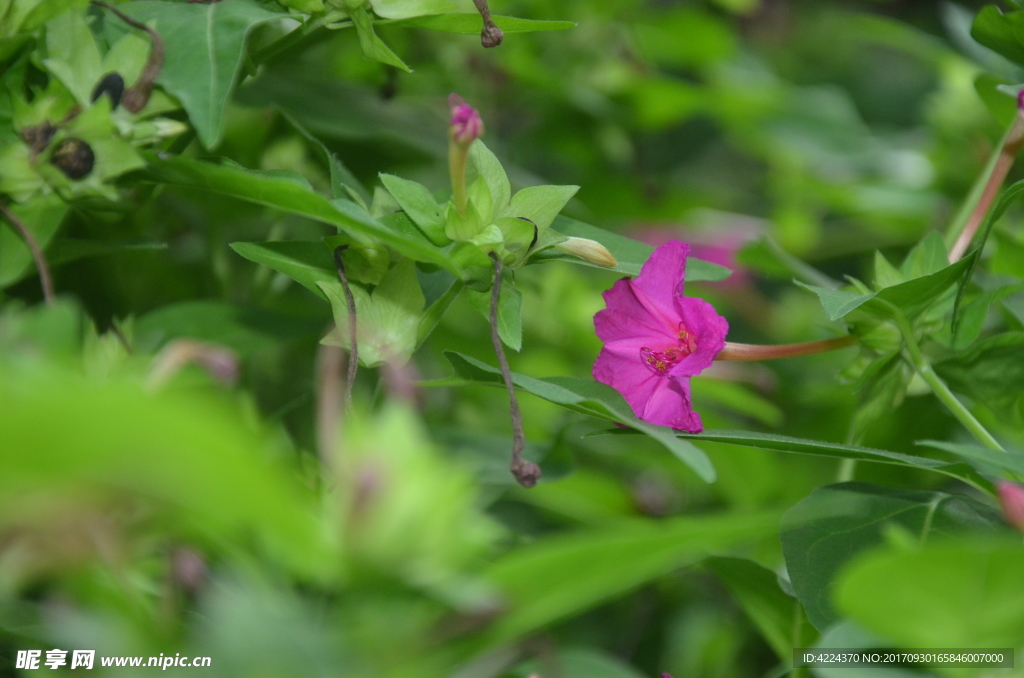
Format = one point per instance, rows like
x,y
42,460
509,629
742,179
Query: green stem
x,y
939,387
458,155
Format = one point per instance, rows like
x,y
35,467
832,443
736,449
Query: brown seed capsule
x,y
112,84
74,158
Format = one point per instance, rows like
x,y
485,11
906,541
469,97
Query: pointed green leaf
x,y
581,395
371,45
541,204
204,45
510,312
964,593
419,204
562,576
72,54
306,262
483,163
396,231
469,23
405,9
387,320
829,528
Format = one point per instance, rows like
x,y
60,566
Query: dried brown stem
x,y
526,472
353,353
45,279
137,96
491,35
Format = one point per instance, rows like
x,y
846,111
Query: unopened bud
x,y
467,126
589,250
1011,496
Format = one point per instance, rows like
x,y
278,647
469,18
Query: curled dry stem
x,y
526,472
45,279
491,35
137,96
353,354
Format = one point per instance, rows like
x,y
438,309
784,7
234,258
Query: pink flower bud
x,y
1011,496
1020,100
466,123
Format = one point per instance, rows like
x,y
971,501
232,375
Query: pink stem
x,y
750,352
1007,156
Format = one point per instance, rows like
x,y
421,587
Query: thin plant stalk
x,y
750,352
526,472
1011,146
42,267
353,353
939,387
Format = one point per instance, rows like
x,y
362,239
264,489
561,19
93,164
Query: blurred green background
x,y
195,518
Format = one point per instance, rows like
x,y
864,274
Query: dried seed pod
x,y
37,137
111,84
74,158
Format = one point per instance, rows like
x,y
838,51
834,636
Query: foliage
x,y
218,188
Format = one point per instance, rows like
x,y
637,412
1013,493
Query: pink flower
x,y
467,125
1011,496
655,339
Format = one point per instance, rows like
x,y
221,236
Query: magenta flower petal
x,y
655,339
466,124
670,405
710,329
661,278
626,317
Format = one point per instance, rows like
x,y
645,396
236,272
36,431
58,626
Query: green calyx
x,y
513,227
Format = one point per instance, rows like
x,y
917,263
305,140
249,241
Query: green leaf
x,y
405,9
206,474
483,163
835,523
541,204
999,32
886,274
387,320
912,297
421,207
927,257
630,254
991,371
432,316
510,311
343,182
371,45
954,594
245,330
306,262
582,663
469,23
280,193
986,460
204,45
562,576
73,55
775,613
770,441
580,395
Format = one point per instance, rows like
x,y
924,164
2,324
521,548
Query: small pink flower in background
x,y
655,339
467,126
719,244
1011,496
